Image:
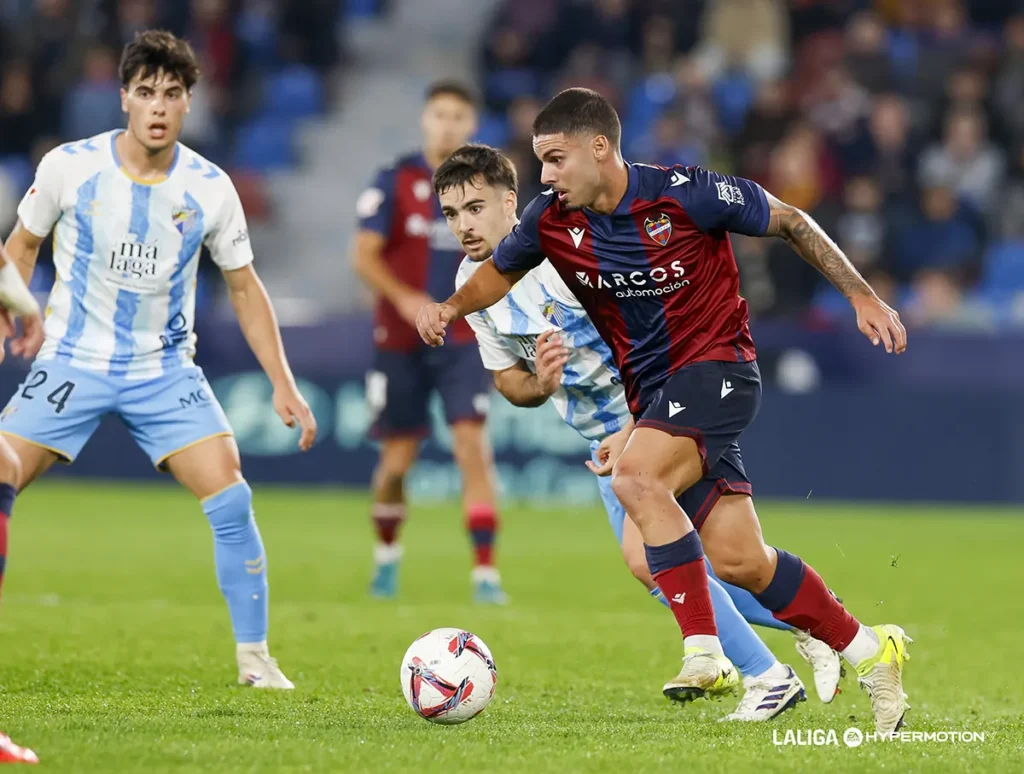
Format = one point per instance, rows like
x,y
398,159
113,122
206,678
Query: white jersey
x,y
591,399
126,254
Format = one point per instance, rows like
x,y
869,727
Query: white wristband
x,y
14,294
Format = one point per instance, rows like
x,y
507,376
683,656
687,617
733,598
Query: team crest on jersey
x,y
553,313
184,219
659,229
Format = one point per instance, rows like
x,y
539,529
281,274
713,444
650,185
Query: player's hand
x,y
29,341
292,408
880,323
409,305
551,359
432,321
609,452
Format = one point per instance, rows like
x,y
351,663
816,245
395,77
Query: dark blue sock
x,y
683,551
789,574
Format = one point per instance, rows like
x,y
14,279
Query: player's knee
x,y
632,484
10,466
751,569
230,511
389,476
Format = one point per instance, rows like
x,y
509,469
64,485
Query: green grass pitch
x,y
116,653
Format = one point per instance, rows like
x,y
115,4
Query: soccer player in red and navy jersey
x,y
406,254
646,251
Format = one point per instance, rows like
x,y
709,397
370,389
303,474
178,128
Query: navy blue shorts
x,y
400,386
712,403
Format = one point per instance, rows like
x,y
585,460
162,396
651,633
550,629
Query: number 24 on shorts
x,y
57,398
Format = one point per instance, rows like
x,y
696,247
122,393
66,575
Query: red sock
x,y
814,609
686,589
482,524
387,521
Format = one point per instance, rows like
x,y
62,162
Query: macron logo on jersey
x,y
678,178
577,235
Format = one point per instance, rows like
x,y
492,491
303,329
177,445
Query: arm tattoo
x,y
811,243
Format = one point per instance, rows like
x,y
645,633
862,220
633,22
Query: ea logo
x,y
853,737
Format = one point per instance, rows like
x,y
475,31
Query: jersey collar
x,y
154,181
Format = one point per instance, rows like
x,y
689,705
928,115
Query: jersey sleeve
x,y
40,208
376,203
520,250
496,356
228,239
555,285
722,202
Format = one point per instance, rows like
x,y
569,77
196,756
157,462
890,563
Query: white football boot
x,y
826,663
767,696
258,669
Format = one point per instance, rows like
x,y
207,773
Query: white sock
x,y
708,642
777,671
485,574
384,554
252,647
864,645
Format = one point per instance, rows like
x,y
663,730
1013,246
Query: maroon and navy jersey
x,y
419,248
657,276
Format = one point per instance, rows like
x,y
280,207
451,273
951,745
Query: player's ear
x,y
601,147
511,204
124,100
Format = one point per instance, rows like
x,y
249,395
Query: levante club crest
x,y
659,229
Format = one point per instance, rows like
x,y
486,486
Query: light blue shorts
x,y
59,407
616,513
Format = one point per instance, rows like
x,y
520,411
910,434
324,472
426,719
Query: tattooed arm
x,y
876,319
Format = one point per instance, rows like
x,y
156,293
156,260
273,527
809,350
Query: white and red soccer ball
x,y
448,676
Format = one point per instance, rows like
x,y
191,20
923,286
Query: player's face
x,y
447,122
570,167
156,108
479,215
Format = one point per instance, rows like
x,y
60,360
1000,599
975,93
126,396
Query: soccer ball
x,y
448,676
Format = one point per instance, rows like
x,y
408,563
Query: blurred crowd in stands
x,y
266,65
898,124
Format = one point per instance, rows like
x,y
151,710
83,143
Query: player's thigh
x,y
208,467
458,376
705,407
172,413
398,396
53,413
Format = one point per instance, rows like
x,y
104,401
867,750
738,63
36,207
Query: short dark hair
x,y
472,161
155,50
452,89
579,111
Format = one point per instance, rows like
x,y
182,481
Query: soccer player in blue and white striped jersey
x,y
130,211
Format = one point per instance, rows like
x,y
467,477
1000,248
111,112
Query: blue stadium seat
x,y
645,103
356,9
264,144
259,36
733,95
1004,268
294,92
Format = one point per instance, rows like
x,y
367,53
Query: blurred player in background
x,y
16,306
574,368
647,252
406,255
131,210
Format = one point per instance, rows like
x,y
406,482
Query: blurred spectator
x,y
667,144
803,171
867,57
1009,220
942,235
94,104
749,36
967,157
766,124
937,300
861,228
522,112
1008,95
18,123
